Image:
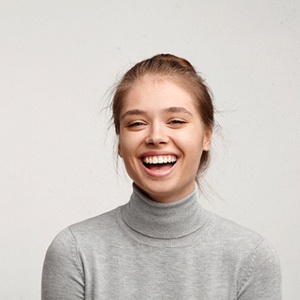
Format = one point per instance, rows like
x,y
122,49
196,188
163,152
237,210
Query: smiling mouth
x,y
164,162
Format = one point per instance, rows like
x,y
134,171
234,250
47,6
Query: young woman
x,y
162,244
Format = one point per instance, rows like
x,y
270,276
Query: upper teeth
x,y
159,159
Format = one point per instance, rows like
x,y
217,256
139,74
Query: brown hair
x,y
182,73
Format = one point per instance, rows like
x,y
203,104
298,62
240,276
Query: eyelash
x,y
177,122
135,124
172,122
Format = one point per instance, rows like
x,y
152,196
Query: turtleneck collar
x,y
163,220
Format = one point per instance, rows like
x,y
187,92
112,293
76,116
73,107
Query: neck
x,y
163,220
163,198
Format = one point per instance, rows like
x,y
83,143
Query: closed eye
x,y
135,124
177,122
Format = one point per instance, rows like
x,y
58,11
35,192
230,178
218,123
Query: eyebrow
x,y
178,109
167,110
133,112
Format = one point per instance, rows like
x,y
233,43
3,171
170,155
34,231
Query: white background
x,y
58,62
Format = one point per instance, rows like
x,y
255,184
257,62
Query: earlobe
x,y
119,151
206,146
207,140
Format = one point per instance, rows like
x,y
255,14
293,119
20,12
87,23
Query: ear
x,y
207,139
120,150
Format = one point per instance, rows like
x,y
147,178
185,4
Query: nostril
x,y
157,140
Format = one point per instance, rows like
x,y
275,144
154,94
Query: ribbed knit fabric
x,y
163,221
149,250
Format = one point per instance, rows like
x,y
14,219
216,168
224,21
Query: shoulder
x,y
72,252
100,224
86,234
254,258
233,234
240,245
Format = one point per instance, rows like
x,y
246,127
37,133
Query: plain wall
x,y
58,61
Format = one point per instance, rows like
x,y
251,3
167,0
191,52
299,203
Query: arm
x,y
261,278
63,276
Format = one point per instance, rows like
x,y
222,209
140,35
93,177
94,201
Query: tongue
x,y
162,167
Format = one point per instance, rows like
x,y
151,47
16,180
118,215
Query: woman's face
x,y
161,138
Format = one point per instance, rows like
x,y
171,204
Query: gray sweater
x,y
149,250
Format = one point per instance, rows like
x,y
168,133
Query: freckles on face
x,y
161,138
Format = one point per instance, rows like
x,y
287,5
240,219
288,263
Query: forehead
x,y
157,92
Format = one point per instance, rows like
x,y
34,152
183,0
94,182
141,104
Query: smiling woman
x,y
159,122
162,244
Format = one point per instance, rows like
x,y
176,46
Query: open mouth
x,y
162,163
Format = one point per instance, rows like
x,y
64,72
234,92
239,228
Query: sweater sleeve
x,y
62,272
261,278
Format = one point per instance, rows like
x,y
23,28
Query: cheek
x,y
127,145
192,141
193,146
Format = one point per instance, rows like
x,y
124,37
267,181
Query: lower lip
x,y
159,173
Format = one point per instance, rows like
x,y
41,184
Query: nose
x,y
157,135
